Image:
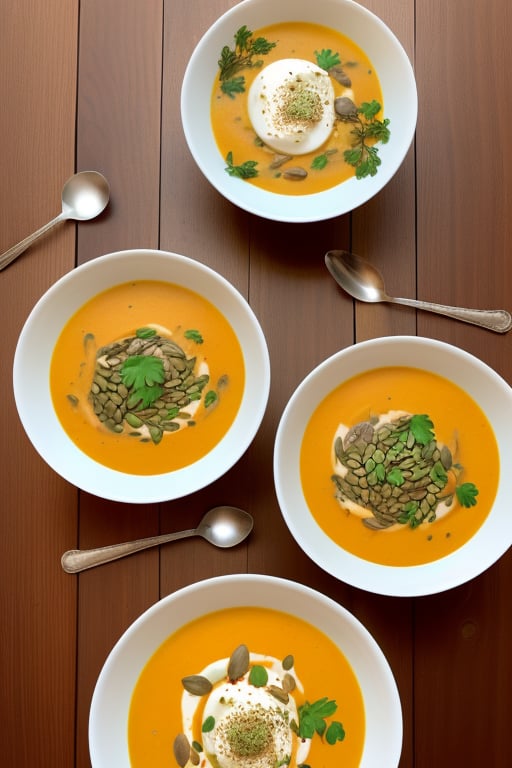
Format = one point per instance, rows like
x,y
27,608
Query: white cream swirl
x,y
251,726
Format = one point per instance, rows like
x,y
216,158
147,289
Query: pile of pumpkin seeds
x,y
394,475
117,406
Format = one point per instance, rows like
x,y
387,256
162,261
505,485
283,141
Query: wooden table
x,y
96,85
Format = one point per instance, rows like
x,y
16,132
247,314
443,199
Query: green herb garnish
x,y
312,719
210,398
143,375
194,335
145,333
245,171
466,494
327,59
208,725
320,162
258,676
364,156
232,60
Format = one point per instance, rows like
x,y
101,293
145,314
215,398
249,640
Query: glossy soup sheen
x,y
230,118
115,314
418,392
155,711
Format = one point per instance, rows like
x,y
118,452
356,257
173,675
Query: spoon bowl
x,y
84,196
221,526
364,282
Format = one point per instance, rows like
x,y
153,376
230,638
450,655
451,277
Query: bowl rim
x,y
486,546
282,207
53,310
160,620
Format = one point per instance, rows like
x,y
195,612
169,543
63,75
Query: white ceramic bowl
x,y
485,386
112,694
398,88
35,349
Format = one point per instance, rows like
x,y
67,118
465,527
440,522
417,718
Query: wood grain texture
x,y
96,85
37,604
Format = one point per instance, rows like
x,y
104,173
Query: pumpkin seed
x,y
287,662
197,684
295,174
181,749
278,693
238,663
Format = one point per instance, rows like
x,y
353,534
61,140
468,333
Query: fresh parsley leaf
x,y
421,427
312,717
142,370
145,333
335,732
247,170
210,398
370,109
395,477
438,475
194,335
232,60
258,676
208,725
242,37
409,514
466,494
142,375
233,86
319,162
327,59
364,156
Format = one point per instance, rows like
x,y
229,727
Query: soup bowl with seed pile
x,y
141,376
298,111
390,462
246,670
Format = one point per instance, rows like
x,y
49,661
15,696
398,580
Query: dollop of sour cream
x,y
291,106
251,726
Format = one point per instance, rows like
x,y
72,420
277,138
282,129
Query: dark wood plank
x,y
119,108
462,671
37,602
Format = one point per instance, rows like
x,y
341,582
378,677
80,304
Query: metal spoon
x,y
221,526
84,196
363,281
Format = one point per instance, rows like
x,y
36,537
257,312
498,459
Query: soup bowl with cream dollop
x,y
231,672
390,465
141,376
298,111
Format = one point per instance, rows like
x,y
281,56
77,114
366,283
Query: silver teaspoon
x,y
364,282
222,526
84,196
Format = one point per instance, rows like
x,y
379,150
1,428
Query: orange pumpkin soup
x,y
237,686
399,466
147,377
351,99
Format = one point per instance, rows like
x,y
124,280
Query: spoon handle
x,y
498,320
17,250
76,560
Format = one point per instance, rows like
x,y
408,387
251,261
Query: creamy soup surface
x,y
294,670
277,122
147,377
399,466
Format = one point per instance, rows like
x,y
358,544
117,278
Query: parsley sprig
x,y
232,60
246,170
313,719
364,155
143,375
